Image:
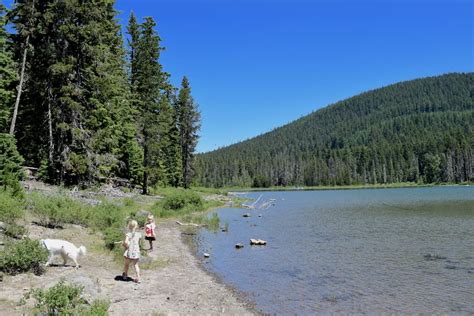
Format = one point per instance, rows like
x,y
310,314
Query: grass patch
x,y
156,263
210,222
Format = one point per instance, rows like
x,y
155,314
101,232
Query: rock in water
x,y
258,242
206,255
246,215
239,245
432,257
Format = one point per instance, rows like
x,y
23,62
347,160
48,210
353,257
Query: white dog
x,y
63,248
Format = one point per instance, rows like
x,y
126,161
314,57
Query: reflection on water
x,y
355,251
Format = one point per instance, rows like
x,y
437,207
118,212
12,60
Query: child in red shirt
x,y
150,231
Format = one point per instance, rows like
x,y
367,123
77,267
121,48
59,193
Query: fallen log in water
x,y
187,224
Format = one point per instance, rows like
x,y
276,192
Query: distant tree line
x,y
418,131
83,107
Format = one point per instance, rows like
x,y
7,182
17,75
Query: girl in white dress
x,y
132,252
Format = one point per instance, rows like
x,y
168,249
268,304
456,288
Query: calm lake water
x,y
351,251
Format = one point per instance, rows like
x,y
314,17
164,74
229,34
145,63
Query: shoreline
x,y
231,190
240,296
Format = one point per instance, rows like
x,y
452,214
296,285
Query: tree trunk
x,y
20,87
50,126
145,167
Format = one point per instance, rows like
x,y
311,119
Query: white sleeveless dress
x,y
133,251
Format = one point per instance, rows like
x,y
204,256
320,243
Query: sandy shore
x,y
173,284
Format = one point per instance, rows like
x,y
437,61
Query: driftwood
x,y
254,203
187,224
263,205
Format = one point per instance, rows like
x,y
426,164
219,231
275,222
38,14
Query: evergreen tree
x,y
25,22
77,111
10,161
148,80
7,74
173,151
133,30
188,125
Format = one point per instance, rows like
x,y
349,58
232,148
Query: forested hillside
x,y
416,131
82,106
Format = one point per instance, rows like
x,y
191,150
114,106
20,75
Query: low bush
x,y
183,199
55,211
112,235
14,231
107,215
61,299
23,256
98,308
11,207
64,299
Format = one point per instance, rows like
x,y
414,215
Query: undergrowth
x,y
109,217
64,299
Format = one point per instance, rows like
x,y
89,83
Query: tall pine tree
x,y
188,124
77,114
147,80
7,74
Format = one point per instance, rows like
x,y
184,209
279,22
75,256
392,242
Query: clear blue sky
x,y
255,65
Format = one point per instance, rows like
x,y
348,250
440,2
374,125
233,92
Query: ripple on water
x,y
394,251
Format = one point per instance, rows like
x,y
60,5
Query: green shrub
x,y
61,299
55,211
97,308
65,299
181,199
141,220
112,235
11,207
10,161
23,256
107,215
15,231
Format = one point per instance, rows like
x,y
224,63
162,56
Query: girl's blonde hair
x,y
150,216
132,225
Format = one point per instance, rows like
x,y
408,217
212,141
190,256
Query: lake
x,y
350,251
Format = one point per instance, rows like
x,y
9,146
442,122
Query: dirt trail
x,y
177,285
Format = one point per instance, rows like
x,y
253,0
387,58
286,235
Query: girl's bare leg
x,y
137,269
125,268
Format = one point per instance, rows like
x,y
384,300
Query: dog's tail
x,y
82,250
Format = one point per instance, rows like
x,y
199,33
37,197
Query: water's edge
x,y
192,245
